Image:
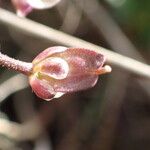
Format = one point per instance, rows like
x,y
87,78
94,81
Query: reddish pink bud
x,y
24,7
59,70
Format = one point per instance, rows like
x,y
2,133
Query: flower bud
x,y
24,7
60,70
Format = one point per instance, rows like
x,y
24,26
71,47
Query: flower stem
x,y
17,65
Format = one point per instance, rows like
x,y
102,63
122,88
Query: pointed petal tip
x,y
103,70
107,68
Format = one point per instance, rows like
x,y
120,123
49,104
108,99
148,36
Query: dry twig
x,y
49,34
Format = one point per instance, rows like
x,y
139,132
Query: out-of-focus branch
x,y
71,19
12,85
21,132
31,129
110,30
49,34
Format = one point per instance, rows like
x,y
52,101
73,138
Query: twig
x,y
27,131
6,89
49,34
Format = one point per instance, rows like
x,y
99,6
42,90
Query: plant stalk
x,y
14,64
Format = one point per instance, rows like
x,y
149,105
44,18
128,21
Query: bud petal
x,y
53,67
24,7
42,4
49,52
41,88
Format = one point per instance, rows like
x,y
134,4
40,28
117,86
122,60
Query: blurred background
x,y
114,115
